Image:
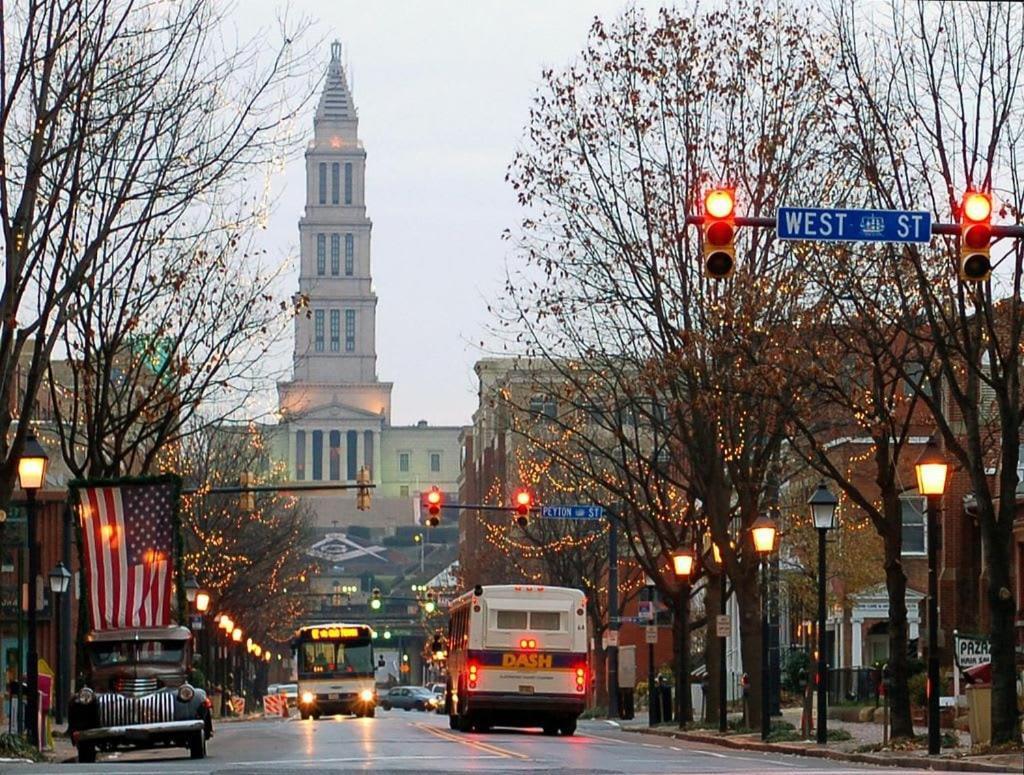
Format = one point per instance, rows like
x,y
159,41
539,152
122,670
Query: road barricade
x,y
275,705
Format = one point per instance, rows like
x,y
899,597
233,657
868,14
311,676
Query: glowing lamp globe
x,y
682,563
764,533
932,469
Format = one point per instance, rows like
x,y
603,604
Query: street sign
x,y
827,225
651,633
630,619
723,626
645,610
578,511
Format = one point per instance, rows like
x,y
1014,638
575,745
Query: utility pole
x,y
613,617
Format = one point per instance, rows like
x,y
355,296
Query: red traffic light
x,y
720,202
523,500
719,232
976,236
433,499
977,206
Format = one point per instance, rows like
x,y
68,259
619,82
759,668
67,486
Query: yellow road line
x,y
480,746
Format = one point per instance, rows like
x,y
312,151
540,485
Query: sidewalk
x,y
859,748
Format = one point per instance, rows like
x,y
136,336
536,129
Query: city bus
x,y
335,669
517,656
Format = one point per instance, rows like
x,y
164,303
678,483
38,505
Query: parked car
x,y
409,698
438,690
135,694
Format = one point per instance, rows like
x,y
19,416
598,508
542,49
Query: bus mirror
x,y
478,590
380,662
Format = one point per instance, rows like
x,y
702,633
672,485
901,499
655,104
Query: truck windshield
x,y
121,652
336,658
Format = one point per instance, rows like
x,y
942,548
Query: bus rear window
x,y
545,620
511,620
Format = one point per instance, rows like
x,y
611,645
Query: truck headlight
x,y
307,698
85,695
186,693
366,695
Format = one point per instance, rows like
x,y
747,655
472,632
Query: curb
x,y
914,762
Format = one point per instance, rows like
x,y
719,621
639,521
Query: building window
x,y
321,253
350,439
435,462
334,183
348,183
335,330
318,455
350,330
300,455
318,330
335,254
323,183
335,456
403,462
543,405
403,491
914,525
350,255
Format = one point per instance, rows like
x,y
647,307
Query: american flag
x,y
128,536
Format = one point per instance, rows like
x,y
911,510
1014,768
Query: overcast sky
x,y
443,91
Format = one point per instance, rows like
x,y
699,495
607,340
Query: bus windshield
x,y
324,658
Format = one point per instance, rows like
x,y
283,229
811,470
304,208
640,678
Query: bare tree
x,y
931,93
125,127
618,151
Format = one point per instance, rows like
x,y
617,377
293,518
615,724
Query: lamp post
x,y
683,561
823,509
723,679
932,469
236,637
764,533
32,473
191,589
649,585
60,578
226,627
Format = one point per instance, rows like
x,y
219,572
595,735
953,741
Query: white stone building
x,y
335,413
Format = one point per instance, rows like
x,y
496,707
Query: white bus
x,y
517,656
335,668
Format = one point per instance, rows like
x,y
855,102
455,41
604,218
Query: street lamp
x,y
202,601
32,473
823,509
60,578
191,589
764,534
932,470
683,562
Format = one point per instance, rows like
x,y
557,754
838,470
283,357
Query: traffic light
x,y
433,499
362,491
375,601
430,606
523,500
719,232
975,237
246,500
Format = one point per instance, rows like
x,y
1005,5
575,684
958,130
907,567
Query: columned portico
x,y
871,608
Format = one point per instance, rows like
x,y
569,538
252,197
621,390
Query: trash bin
x,y
661,704
979,714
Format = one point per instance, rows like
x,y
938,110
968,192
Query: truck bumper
x,y
141,734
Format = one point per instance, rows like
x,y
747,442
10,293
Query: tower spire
x,y
336,103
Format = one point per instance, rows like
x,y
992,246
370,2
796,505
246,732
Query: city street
x,y
399,741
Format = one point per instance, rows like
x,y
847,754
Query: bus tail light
x,y
472,676
581,678
527,643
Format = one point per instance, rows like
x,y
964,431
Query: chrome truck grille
x,y
135,687
118,710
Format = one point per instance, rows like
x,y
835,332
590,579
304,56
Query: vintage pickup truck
x,y
136,694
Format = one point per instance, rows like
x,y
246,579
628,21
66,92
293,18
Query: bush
x,y
839,735
16,747
796,670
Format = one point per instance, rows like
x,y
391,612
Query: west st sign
x,y
820,224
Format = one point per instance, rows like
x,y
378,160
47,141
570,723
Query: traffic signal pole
x,y
613,623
